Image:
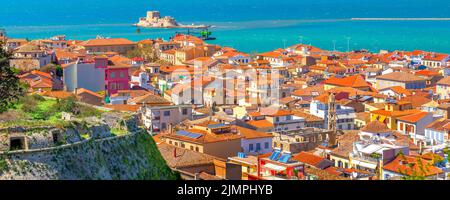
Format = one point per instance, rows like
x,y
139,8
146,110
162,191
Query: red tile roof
x,y
308,158
355,81
414,117
107,42
411,166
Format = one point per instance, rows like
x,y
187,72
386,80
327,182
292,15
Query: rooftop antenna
x,y
301,39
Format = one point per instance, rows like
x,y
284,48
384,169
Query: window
x,y
266,145
250,147
113,86
277,119
184,111
166,113
196,149
192,148
258,146
122,75
113,75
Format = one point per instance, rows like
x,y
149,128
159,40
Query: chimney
x,y
170,128
197,176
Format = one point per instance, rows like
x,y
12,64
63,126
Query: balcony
x,y
156,118
372,159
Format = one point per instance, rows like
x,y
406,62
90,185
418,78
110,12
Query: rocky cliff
x,y
132,156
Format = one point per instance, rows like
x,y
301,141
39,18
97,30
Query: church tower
x,y
332,120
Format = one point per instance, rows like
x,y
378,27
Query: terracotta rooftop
x,y
408,165
252,134
414,117
355,81
444,81
345,142
376,127
308,158
401,77
107,42
184,157
124,107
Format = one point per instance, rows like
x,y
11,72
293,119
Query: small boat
x,y
206,35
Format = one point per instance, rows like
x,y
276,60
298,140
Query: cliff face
x,y
133,156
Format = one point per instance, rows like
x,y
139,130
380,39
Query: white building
x,y
88,75
345,115
159,118
255,142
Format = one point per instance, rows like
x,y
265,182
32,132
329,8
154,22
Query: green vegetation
x,y
57,69
154,156
10,87
146,52
118,132
3,165
36,110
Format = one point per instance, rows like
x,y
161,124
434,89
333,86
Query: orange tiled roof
x,y
124,107
206,137
107,42
308,158
400,76
408,165
444,81
83,90
260,123
427,73
399,90
395,113
57,94
414,117
376,127
355,81
252,134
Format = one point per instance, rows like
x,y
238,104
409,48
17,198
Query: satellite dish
x,y
354,175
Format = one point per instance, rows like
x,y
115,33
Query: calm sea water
x,y
249,25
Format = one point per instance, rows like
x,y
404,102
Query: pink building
x,y
116,78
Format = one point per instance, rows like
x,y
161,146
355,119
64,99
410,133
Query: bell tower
x,y
332,119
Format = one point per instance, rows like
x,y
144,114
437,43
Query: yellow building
x,y
443,88
392,111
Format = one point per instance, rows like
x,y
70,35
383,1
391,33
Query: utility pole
x,y
348,44
334,45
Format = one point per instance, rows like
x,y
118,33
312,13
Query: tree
x,y
10,87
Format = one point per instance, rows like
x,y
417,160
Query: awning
x,y
364,164
274,167
371,149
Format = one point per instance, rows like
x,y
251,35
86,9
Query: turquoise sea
x,y
248,25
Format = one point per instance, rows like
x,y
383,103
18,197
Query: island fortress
x,y
154,20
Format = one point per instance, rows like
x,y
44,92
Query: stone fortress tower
x,y
153,15
154,19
